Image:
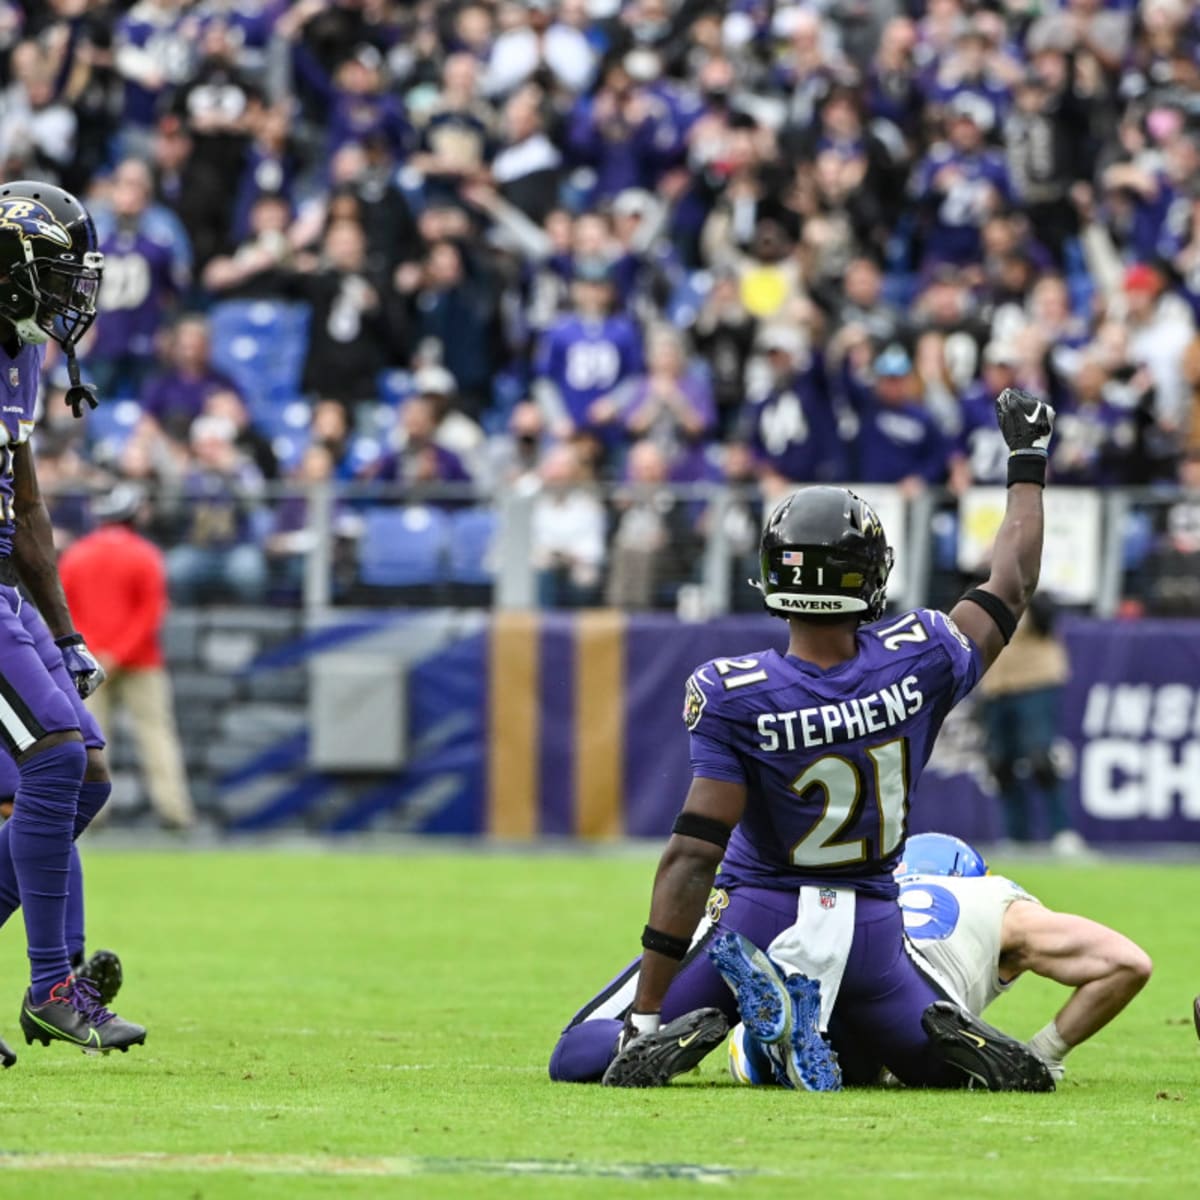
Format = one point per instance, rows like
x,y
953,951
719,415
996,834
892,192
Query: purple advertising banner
x,y
1132,715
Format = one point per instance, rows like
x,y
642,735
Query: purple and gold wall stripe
x,y
599,723
514,727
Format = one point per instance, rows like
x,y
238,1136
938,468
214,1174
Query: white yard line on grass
x,y
390,1167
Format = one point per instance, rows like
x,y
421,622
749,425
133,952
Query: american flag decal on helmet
x,y
792,558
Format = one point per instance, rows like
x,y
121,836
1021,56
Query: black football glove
x,y
85,672
1025,421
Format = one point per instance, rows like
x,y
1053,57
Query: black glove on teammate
x,y
1026,424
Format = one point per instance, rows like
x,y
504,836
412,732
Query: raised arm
x,y
681,886
1104,967
988,615
37,564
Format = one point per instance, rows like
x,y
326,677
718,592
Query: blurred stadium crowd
x,y
547,244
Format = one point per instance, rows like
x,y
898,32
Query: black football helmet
x,y
50,264
824,553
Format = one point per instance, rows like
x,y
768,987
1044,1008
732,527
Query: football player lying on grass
x,y
971,934
975,934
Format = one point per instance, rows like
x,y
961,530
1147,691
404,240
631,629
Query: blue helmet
x,y
940,854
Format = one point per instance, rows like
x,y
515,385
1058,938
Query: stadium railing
x,y
683,548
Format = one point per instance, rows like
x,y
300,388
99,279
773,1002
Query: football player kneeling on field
x,y
974,934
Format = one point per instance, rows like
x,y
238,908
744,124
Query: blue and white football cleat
x,y
781,1017
816,1065
749,1062
757,985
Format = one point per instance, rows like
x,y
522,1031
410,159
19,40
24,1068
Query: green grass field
x,y
341,1025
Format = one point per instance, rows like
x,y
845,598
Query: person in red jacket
x,y
116,586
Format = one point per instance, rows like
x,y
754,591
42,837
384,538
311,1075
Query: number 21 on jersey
x,y
846,798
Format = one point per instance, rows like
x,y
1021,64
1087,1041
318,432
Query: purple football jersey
x,y
828,758
18,399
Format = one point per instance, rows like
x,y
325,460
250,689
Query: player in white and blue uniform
x,y
975,934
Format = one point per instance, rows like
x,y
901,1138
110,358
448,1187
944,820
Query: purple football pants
x,y
876,1020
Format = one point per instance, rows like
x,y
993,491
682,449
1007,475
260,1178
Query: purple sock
x,y
41,833
584,1051
93,794
74,916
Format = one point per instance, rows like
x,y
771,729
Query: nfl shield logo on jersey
x,y
14,377
828,898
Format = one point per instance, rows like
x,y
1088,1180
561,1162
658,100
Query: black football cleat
x,y
985,1056
8,1056
104,970
653,1059
74,1014
1196,1014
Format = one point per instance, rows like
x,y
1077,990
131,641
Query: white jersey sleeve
x,y
953,925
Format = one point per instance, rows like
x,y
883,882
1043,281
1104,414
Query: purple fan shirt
x,y
587,359
828,758
960,208
140,274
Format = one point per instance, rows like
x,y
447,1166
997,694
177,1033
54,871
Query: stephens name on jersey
x,y
828,757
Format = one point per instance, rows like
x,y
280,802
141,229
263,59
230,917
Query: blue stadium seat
x,y
395,386
110,424
403,547
472,534
260,345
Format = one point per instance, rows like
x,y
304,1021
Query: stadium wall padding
x,y
526,725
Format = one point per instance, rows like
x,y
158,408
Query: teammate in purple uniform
x,y
803,765
50,271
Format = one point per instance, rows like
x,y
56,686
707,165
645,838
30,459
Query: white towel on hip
x,y
818,944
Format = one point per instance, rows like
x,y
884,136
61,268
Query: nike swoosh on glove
x,y
1025,420
85,672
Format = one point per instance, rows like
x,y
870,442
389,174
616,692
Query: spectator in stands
x,y
670,405
513,457
154,49
615,130
1095,438
416,457
724,334
456,132
654,543
567,549
116,584
527,164
220,558
455,431
788,423
36,126
195,191
356,325
898,441
146,266
292,537
459,313
1160,328
250,441
585,355
982,456
176,397
256,269
960,184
